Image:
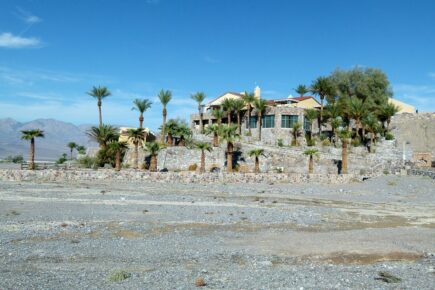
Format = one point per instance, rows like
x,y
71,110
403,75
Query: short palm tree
x,y
344,136
153,148
256,153
118,149
218,114
230,135
238,107
72,146
385,113
213,129
249,99
301,90
199,97
311,153
137,137
164,97
171,129
81,149
103,134
30,135
99,93
332,113
322,87
184,133
371,124
203,146
141,106
311,115
296,133
260,106
358,109
227,106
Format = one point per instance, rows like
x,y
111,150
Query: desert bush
x,y
88,162
356,142
62,159
280,143
326,142
15,159
119,276
199,282
389,136
192,167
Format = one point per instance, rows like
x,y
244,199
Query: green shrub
x,y
323,136
15,159
326,142
88,162
248,134
193,167
356,142
389,136
310,140
62,159
119,276
280,143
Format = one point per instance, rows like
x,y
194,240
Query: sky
x,y
52,52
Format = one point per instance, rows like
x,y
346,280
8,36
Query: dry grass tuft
x,y
200,282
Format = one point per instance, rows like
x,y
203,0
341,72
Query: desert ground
x,y
376,234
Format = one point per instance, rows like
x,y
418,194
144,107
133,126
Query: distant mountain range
x,y
57,135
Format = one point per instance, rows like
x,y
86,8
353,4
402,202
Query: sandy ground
x,y
235,236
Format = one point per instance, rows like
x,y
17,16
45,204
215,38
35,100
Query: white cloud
x,y
27,16
210,59
8,40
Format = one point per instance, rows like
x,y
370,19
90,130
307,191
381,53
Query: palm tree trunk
x,y
153,163
141,121
215,140
136,156
344,157
71,152
249,119
229,118
230,157
164,113
182,141
259,125
99,113
239,127
202,168
201,123
118,160
257,165
32,154
388,125
321,115
170,139
311,164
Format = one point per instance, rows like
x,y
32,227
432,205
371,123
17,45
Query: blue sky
x,y
52,52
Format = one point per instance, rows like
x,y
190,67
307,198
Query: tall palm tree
x,y
385,113
199,97
230,135
103,134
311,115
322,87
260,106
256,153
218,114
311,153
30,135
136,136
302,90
117,148
296,133
72,146
99,93
227,106
164,97
153,148
238,107
345,139
203,146
141,106
213,130
249,99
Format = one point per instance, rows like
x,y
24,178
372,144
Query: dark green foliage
x,y
62,159
388,277
389,136
88,162
15,159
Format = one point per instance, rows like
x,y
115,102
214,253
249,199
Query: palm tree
x,y
171,128
249,99
230,135
72,146
218,114
260,106
81,149
99,93
153,148
386,112
322,87
371,124
256,153
311,153
203,146
227,106
296,133
183,132
213,129
31,135
141,106
164,97
358,108
199,97
103,134
311,115
238,106
332,113
302,90
117,148
344,136
136,136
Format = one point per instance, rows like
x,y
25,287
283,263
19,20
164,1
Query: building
x,y
403,107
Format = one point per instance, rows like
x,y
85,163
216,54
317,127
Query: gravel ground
x,y
234,236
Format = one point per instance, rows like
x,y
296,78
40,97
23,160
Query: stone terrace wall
x,y
170,177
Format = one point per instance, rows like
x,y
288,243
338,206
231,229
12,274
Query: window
x,y
287,121
252,122
268,121
307,125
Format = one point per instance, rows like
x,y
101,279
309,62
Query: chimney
x,y
257,92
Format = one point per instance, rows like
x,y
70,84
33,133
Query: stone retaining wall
x,y
171,177
422,172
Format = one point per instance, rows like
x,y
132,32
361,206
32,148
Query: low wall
x,y
422,172
171,177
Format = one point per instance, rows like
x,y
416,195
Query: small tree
x,y
249,99
137,137
296,133
239,106
311,153
153,148
213,130
203,146
30,135
81,149
141,106
260,106
227,106
72,146
199,97
311,115
256,153
302,90
118,149
230,135
218,114
103,134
